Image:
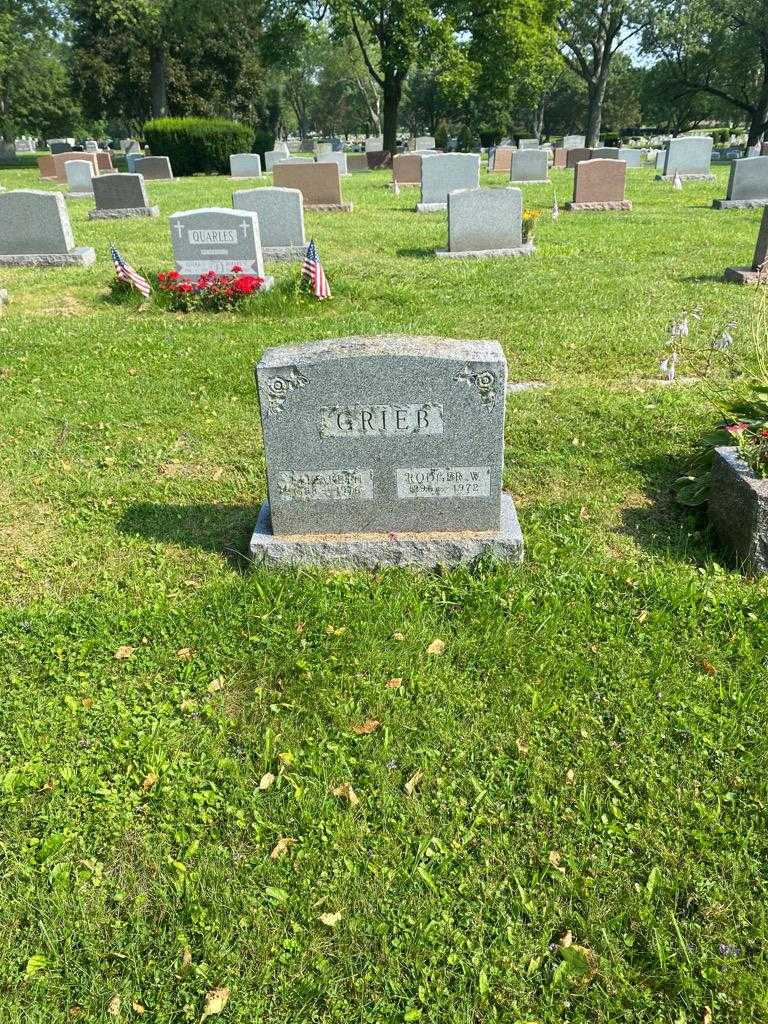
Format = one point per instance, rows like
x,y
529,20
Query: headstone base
x,y
284,253
739,204
738,503
372,550
745,275
517,183
84,257
79,195
623,204
526,249
127,211
431,207
246,177
330,207
405,184
686,177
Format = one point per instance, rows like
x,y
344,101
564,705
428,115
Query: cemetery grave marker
x,y
747,185
406,169
530,165
104,162
245,165
599,185
60,160
485,222
605,153
574,141
319,184
631,157
442,173
738,510
502,160
528,144
757,273
121,195
281,220
577,155
384,451
357,163
340,159
153,168
79,179
35,231
216,239
690,156
374,144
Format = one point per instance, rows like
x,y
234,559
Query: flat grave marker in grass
x,y
35,231
384,451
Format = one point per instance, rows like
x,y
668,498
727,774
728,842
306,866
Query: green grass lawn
x,y
592,741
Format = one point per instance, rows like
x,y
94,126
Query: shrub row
x,y
198,145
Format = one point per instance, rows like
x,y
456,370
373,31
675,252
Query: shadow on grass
x,y
223,529
704,278
417,253
655,521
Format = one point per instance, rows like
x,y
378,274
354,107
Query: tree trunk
x,y
759,120
158,83
393,88
595,98
538,118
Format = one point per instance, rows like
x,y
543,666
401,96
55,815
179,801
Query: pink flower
x,y
737,428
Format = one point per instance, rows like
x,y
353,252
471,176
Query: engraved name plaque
x,y
381,420
327,485
439,482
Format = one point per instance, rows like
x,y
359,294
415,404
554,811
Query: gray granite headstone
x,y
340,159
422,143
374,144
385,450
245,165
747,184
484,222
688,156
442,173
35,231
605,153
661,157
738,510
154,168
79,177
529,165
574,141
757,273
272,156
631,157
120,195
216,239
281,220
528,144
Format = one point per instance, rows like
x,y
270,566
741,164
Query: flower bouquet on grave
x,y
529,223
211,292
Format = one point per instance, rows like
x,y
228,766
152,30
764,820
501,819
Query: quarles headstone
x,y
35,231
281,220
747,185
384,451
216,239
121,195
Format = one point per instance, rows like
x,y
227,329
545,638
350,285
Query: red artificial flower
x,y
173,275
161,276
237,269
737,428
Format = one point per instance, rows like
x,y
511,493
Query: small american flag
x,y
677,181
312,270
125,272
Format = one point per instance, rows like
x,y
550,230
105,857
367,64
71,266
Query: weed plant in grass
x,y
590,744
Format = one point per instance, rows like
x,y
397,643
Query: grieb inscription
x,y
383,420
326,485
444,482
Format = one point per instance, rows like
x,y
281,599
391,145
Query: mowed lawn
x,y
586,760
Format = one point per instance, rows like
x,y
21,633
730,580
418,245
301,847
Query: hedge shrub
x,y
197,145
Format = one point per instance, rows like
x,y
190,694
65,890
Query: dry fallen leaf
x,y
366,728
331,920
113,1006
184,652
436,647
150,779
570,777
522,746
266,781
706,666
554,860
412,783
347,793
707,1018
282,847
398,636
394,684
643,615
216,684
215,1001
124,652
138,1008
186,958
87,702
567,939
